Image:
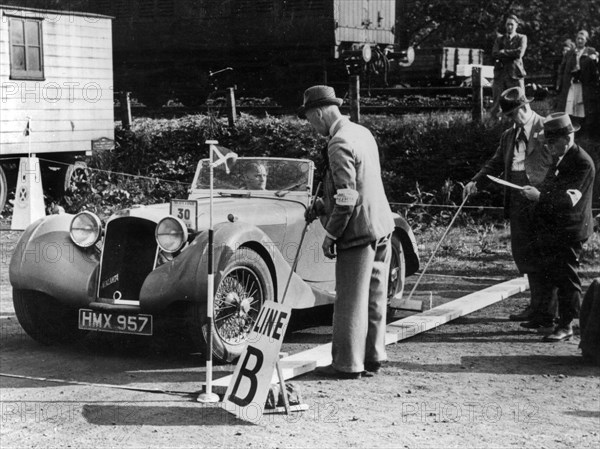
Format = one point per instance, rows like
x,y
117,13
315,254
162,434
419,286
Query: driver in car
x,y
255,176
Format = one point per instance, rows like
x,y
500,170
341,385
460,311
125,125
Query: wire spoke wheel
x,y
242,290
237,302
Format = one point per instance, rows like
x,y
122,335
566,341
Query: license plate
x,y
139,324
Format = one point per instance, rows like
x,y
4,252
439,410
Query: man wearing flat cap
x,y
358,223
524,160
508,51
564,221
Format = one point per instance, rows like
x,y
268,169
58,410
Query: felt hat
x,y
512,99
559,124
317,96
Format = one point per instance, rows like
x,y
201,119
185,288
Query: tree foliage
x,y
475,24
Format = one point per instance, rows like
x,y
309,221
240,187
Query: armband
x,y
346,197
574,195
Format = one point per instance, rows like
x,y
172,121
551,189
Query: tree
x,y
474,24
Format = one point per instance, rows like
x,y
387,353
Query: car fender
x,y
409,244
185,277
45,259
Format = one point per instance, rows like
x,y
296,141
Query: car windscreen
x,y
269,174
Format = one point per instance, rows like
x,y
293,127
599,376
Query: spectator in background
x,y
579,83
524,160
508,52
563,217
567,46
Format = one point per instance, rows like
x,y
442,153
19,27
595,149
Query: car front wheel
x,y
43,318
243,289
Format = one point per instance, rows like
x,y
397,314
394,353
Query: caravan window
x,y
26,49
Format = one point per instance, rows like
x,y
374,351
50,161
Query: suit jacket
x,y
561,221
356,207
508,54
537,158
588,76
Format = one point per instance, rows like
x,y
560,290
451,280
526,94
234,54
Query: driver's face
x,y
256,178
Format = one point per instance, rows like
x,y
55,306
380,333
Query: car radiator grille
x,y
128,256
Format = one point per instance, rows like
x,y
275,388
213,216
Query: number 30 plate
x,y
93,320
186,210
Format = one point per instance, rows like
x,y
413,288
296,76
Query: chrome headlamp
x,y
86,229
171,234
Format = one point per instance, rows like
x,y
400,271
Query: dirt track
x,y
479,381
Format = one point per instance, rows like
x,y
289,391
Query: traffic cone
x,y
29,196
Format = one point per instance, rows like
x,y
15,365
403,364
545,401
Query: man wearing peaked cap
x,y
523,159
563,214
358,223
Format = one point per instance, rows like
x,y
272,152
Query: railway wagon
x,y
56,91
167,49
438,66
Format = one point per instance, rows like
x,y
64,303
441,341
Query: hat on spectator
x,y
317,96
512,99
559,124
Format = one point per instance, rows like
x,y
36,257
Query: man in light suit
x,y
563,212
524,160
358,222
508,52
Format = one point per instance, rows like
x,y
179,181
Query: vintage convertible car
x,y
73,273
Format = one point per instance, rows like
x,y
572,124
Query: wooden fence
x,y
473,101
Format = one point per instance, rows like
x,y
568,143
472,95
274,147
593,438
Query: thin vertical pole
x,y
126,110
477,81
208,395
231,112
355,98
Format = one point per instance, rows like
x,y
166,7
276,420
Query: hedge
x,y
424,157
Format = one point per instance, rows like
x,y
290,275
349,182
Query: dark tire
x,y
3,189
43,318
243,289
397,274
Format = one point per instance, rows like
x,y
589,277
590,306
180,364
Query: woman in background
x,y
578,82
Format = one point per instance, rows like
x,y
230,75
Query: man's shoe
x,y
330,371
373,367
559,334
525,315
540,326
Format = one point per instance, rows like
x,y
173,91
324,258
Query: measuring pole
x,y
437,247
208,395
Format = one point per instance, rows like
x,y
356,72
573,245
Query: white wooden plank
x,y
52,147
52,97
55,116
306,361
63,19
68,124
51,136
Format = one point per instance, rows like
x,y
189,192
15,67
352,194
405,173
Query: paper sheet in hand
x,y
505,183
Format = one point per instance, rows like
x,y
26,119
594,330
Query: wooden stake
x,y
477,80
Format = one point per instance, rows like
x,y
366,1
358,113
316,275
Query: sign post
x,y
249,387
247,392
216,158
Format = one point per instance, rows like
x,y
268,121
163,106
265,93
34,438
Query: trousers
x,y
359,313
560,261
